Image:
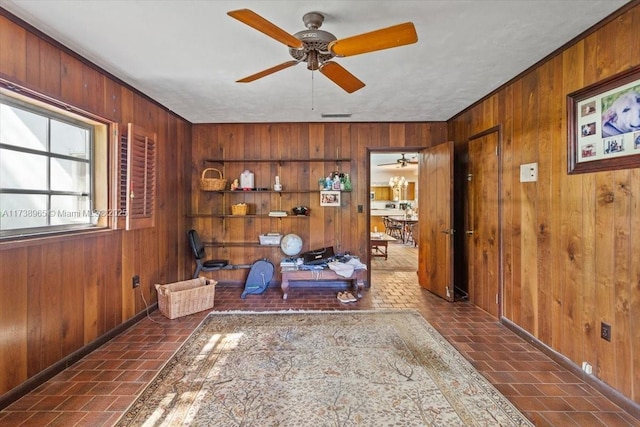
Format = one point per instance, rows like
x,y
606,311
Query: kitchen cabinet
x,y
382,193
376,224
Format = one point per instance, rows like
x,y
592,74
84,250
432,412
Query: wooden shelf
x,y
238,192
266,191
328,160
240,245
230,227
211,215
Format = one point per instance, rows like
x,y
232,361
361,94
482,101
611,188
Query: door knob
x,y
448,231
469,231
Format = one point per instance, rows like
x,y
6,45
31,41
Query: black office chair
x,y
199,253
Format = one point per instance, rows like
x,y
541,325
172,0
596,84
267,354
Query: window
x,y
48,168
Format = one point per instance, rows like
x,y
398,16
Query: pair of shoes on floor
x,y
346,297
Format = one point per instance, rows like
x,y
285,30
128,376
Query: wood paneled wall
x,y
59,294
344,228
570,241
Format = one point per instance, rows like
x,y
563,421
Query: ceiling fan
x,y
402,162
317,47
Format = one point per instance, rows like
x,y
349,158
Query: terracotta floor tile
x,y
66,419
48,403
555,404
561,419
613,419
74,403
97,389
40,418
579,403
586,419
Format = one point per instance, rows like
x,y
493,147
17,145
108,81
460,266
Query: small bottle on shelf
x,y
347,182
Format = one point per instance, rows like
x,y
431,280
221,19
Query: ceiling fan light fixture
x,y
317,47
312,60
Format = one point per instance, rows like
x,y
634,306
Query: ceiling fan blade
x,y
340,76
257,22
268,71
385,38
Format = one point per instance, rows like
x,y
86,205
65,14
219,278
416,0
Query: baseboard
x,y
612,394
53,370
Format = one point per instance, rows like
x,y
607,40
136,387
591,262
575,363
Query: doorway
x,y
393,190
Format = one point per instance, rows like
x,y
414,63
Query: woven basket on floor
x,y
187,297
212,184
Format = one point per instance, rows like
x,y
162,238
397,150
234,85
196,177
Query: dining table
x,y
406,222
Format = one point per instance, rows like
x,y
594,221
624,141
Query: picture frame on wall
x,y
604,124
329,198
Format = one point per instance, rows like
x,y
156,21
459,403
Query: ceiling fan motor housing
x,y
315,51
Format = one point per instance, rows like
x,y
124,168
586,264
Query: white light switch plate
x,y
529,172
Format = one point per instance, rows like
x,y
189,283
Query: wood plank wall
x,y
570,241
59,294
344,228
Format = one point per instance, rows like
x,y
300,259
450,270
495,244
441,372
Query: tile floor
x,y
96,390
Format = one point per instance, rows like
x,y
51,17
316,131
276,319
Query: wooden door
x,y
482,227
435,218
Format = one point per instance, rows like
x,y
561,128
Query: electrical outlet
x,y
605,331
360,209
135,281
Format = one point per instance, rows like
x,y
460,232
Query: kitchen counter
x,y
385,212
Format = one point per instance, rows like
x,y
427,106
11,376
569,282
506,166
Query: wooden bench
x,y
325,275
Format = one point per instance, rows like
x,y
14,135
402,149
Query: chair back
x,y
196,245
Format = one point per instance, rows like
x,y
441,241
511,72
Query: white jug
x,y
246,180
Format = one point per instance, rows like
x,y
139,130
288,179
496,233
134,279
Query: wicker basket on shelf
x,y
212,184
239,209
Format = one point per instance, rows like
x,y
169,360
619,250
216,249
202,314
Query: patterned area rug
x,y
365,368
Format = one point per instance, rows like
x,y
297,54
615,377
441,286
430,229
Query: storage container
x,y
239,209
271,239
187,297
212,184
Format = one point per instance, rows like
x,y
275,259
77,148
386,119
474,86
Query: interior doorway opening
x,y
393,202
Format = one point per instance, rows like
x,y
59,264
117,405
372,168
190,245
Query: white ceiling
x,y
187,54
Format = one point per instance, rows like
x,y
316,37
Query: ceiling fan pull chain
x,y
312,73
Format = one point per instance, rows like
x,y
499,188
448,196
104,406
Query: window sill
x,y
12,242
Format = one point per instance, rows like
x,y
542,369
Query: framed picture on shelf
x,y
604,124
329,198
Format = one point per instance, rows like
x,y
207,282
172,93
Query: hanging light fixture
x,y
397,184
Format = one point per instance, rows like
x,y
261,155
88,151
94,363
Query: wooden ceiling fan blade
x,y
257,22
340,76
385,38
268,71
